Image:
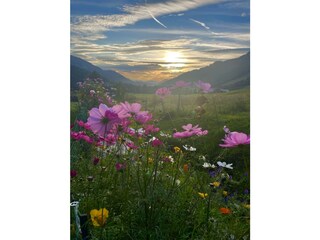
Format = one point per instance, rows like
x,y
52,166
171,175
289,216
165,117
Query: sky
x,y
156,40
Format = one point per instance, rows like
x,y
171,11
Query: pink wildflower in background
x,y
102,120
156,142
204,87
150,129
95,160
131,145
143,117
163,92
190,131
181,84
73,173
110,139
125,110
83,124
234,139
120,166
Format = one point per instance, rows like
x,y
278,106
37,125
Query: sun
x,y
173,59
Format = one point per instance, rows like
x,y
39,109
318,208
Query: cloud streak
x,y
84,26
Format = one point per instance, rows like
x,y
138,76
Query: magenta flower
x,y
125,110
235,139
73,173
131,145
190,131
95,160
102,120
163,92
150,129
83,124
110,139
181,84
156,143
120,166
204,87
143,117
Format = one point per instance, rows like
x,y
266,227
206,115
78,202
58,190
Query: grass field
x,y
144,199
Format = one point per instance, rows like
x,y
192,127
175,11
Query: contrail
x,y
154,18
203,25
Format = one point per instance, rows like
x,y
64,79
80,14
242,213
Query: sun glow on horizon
x,y
173,60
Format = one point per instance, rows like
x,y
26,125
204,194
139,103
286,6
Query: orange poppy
x,y
225,210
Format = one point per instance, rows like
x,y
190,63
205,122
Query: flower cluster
x,y
190,131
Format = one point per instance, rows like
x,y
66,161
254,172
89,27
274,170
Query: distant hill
x,y
81,69
230,74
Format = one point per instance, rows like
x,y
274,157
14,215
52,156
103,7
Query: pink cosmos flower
x,y
143,117
131,145
190,131
234,139
81,135
125,110
110,139
95,160
83,124
73,173
156,143
204,87
181,84
120,166
163,92
102,120
150,129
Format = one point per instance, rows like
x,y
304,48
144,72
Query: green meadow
x,y
150,198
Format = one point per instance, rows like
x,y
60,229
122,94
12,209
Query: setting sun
x,y
173,59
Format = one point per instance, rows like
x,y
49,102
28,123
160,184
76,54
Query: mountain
x,y
229,74
81,69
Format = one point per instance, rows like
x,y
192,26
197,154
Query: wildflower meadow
x,y
174,164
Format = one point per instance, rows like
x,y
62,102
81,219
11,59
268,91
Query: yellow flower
x,y
225,193
247,206
99,217
203,195
150,160
216,184
177,149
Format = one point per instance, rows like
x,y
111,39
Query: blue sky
x,y
158,39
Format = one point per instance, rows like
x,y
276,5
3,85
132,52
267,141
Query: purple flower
x,y
163,92
73,173
95,161
143,117
181,84
204,87
190,131
235,139
150,129
156,143
125,110
102,120
83,124
120,166
110,139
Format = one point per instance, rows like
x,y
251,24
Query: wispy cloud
x,y
88,25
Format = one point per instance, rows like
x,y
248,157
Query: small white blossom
x,y
203,158
208,165
162,134
225,165
189,148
